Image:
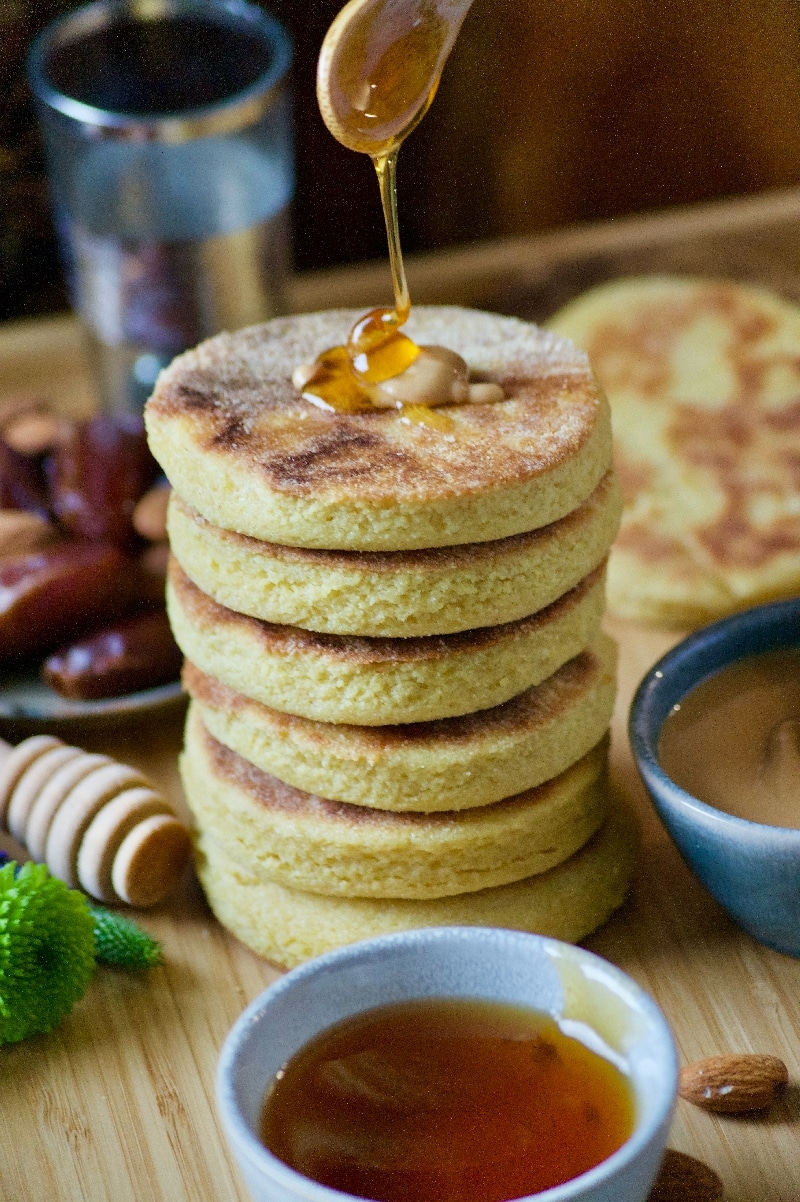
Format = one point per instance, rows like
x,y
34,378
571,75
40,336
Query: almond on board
x,y
150,514
733,1083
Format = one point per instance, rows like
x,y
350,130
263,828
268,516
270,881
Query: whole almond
x,y
22,531
33,433
150,514
733,1083
15,405
684,1179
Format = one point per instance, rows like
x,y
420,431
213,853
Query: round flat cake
x,y
447,764
304,841
288,926
403,594
240,444
703,377
378,681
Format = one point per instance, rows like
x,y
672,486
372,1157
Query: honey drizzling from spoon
x,y
378,72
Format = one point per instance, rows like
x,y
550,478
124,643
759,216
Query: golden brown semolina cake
x,y
307,842
397,593
703,377
446,764
341,678
243,448
288,926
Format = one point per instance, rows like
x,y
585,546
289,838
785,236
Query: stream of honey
x,y
379,69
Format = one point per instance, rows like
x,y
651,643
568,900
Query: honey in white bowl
x,y
447,1100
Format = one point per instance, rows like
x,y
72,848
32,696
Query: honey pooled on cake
x,y
389,550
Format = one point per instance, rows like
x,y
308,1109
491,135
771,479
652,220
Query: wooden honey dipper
x,y
97,824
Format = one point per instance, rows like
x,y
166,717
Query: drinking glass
x,y
168,134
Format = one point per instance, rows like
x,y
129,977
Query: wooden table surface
x,y
117,1103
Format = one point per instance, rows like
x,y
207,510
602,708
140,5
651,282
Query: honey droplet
x,y
377,348
333,382
423,415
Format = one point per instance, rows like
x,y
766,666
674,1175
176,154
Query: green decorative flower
x,y
47,950
122,942
50,936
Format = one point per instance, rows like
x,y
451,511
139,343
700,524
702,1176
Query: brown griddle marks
x,y
232,435
330,457
192,395
654,547
637,354
215,392
749,460
749,452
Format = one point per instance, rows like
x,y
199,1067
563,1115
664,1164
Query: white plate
x,y
26,700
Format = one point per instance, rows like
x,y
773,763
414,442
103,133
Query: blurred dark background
x,y
548,114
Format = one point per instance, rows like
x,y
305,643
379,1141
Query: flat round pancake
x,y
703,377
303,841
397,594
240,444
288,926
447,764
374,682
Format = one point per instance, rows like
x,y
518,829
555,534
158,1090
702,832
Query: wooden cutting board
x,y
117,1103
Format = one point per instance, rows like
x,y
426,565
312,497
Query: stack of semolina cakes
x,y
400,690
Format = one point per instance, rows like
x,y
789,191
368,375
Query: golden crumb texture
x,y
398,594
380,681
309,842
288,926
447,764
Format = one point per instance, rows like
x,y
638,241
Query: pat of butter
x,y
437,376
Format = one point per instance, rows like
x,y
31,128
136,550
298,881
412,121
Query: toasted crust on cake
x,y
401,593
447,764
240,444
703,377
287,926
374,682
304,841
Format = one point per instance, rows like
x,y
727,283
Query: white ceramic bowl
x,y
508,966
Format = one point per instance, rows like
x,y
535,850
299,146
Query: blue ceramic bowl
x,y
753,870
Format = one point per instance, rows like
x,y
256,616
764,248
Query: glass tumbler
x,y
168,133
